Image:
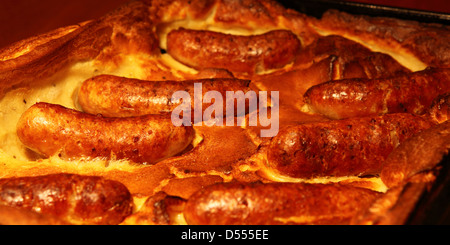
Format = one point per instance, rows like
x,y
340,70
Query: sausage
x,y
235,53
412,93
276,203
114,96
439,110
347,147
74,198
51,129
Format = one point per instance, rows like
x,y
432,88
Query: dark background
x,y
20,19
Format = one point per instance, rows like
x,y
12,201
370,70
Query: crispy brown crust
x,y
355,146
429,42
439,110
238,146
185,187
22,47
114,96
249,54
393,207
47,58
73,198
276,203
54,130
125,30
421,152
410,92
222,153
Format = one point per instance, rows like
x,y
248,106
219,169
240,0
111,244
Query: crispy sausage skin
x,y
347,147
235,53
114,96
276,203
412,93
52,129
74,198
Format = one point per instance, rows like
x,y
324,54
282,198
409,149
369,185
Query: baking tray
x,y
433,205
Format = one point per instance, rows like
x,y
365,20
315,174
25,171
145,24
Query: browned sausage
x,y
51,129
348,147
412,93
114,96
74,198
200,49
276,203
